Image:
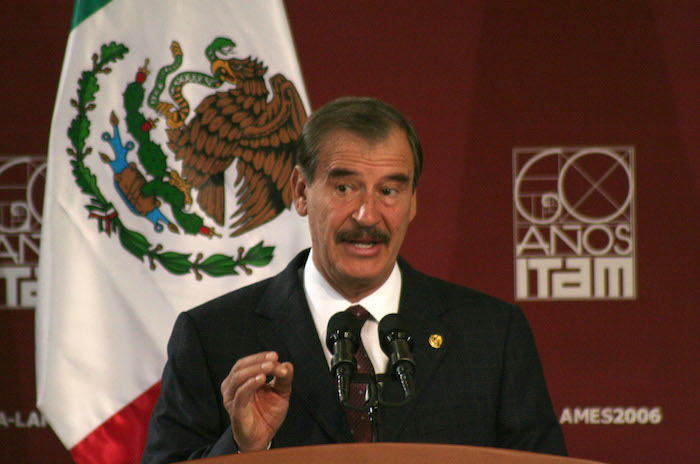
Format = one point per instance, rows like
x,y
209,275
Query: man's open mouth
x,y
364,244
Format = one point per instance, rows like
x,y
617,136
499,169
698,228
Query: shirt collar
x,y
324,300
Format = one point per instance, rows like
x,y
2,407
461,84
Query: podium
x,y
390,453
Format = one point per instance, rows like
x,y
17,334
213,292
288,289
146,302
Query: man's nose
x,y
366,213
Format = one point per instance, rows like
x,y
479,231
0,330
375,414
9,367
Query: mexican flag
x,y
168,184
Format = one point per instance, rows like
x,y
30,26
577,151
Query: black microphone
x,y
343,339
395,340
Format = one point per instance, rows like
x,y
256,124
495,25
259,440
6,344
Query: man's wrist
x,y
269,445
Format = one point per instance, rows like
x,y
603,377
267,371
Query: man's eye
x,y
342,188
388,191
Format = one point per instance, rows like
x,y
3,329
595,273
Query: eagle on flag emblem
x,y
244,121
243,124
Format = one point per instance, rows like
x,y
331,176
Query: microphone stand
x,y
374,403
373,409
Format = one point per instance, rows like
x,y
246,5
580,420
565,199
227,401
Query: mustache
x,y
357,234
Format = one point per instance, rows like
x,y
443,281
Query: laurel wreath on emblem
x,y
237,124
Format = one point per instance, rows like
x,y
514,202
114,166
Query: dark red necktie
x,y
359,420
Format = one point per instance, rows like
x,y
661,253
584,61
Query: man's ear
x,y
299,187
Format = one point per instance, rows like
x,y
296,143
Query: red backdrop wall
x,y
478,79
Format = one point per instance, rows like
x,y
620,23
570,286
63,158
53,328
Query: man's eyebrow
x,y
400,178
337,173
340,172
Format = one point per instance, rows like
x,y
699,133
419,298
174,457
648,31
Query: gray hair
x,y
370,118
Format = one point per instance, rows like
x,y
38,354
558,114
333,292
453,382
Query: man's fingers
x,y
253,359
284,374
246,391
240,376
245,368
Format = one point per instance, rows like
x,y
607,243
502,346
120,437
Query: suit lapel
x,y
292,333
422,313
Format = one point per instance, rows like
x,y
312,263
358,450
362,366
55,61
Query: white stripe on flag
x,y
104,315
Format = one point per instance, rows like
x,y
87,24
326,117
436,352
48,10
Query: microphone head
x,y
343,325
391,327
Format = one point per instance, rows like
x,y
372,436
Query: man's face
x,y
359,206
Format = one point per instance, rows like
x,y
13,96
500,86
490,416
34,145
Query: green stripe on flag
x,y
84,8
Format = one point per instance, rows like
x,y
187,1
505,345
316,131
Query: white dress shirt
x,y
324,302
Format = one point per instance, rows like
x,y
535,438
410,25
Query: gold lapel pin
x,y
435,341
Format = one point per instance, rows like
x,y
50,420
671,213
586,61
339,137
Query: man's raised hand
x,y
257,409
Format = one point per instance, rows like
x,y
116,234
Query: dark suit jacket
x,y
483,386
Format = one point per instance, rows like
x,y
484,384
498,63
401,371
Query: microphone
x,y
343,339
396,342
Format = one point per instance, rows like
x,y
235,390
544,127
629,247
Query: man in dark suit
x,y
249,370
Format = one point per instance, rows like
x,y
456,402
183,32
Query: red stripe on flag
x,y
120,439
